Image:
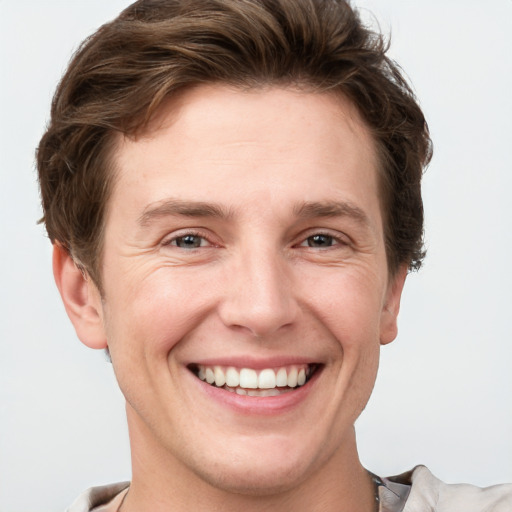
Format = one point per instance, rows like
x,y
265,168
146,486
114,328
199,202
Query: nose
x,y
258,295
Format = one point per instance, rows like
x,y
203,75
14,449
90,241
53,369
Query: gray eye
x,y
320,241
189,241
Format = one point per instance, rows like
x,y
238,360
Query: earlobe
x,y
389,315
81,299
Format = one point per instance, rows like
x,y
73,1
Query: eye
x,y
320,240
189,241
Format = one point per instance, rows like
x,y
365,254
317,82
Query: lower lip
x,y
258,405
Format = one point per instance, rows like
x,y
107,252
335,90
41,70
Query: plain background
x,y
444,394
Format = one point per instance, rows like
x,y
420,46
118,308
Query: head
x,y
238,183
120,77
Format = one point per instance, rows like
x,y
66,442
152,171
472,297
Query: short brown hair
x,y
121,75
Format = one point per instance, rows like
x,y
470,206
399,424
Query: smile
x,y
251,382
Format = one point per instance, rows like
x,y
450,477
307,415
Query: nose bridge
x,y
259,296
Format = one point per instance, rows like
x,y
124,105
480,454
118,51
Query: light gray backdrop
x,y
444,394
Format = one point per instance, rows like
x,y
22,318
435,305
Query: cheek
x,y
150,314
145,321
349,304
362,380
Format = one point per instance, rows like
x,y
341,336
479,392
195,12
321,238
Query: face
x,y
246,289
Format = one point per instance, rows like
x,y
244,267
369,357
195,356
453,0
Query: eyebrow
x,y
178,207
304,210
312,209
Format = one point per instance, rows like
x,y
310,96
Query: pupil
x,y
320,241
188,241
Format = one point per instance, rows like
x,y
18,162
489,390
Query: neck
x,y
161,483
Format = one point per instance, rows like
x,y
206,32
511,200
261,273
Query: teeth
x,y
220,378
263,392
209,375
232,377
292,378
281,378
247,381
267,379
301,378
248,378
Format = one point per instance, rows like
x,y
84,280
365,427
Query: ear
x,y
81,299
389,314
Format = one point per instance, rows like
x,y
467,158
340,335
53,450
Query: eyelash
x,y
335,240
173,242
195,234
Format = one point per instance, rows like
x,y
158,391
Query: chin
x,y
251,480
261,467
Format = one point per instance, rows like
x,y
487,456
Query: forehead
x,y
217,142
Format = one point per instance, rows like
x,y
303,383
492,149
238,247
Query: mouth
x,y
251,382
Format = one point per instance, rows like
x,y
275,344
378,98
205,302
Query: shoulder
x,y
107,497
429,494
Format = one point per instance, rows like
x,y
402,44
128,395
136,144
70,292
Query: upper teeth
x,y
248,378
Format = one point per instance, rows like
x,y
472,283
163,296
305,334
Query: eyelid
x,y
168,240
338,237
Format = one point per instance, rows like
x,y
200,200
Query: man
x,y
233,193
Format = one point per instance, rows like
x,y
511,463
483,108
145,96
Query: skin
x,y
252,177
